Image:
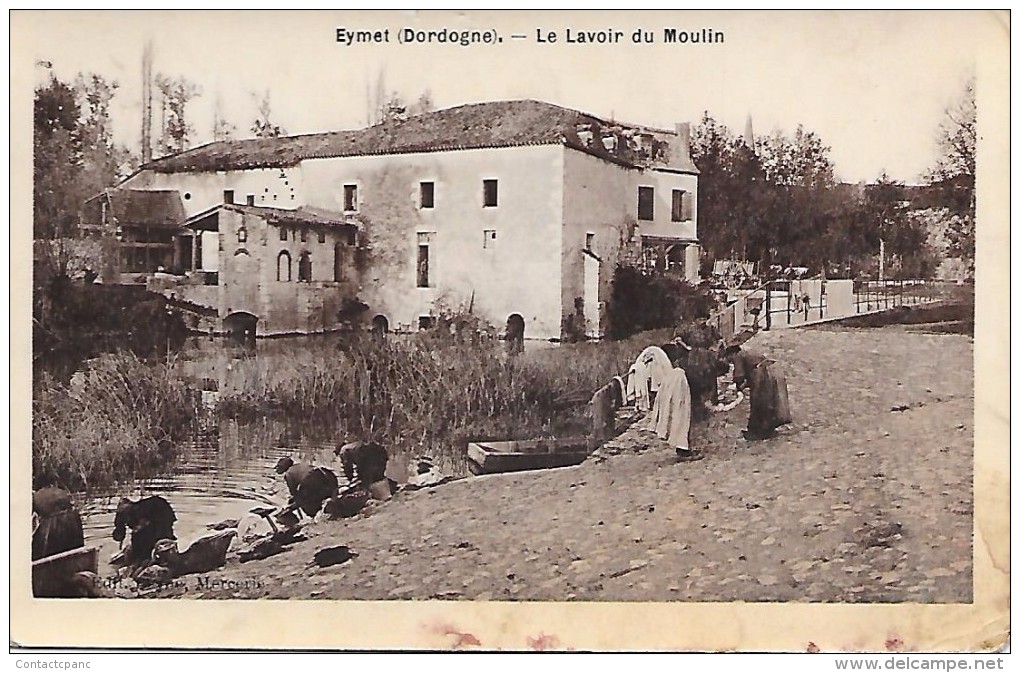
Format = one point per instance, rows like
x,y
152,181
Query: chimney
x,y
683,136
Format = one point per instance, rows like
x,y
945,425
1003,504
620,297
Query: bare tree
x,y
958,137
175,94
954,171
222,129
424,103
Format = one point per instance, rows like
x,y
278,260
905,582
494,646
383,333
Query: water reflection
x,y
227,467
220,475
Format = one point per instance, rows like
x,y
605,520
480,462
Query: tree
x,y
903,240
263,127
802,160
222,129
802,203
424,103
104,161
730,190
57,160
175,94
954,171
75,156
777,202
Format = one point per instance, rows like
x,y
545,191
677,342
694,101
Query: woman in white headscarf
x,y
671,414
647,373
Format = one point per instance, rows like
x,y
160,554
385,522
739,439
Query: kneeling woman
x,y
770,401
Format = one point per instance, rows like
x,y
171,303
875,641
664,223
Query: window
x,y
423,270
589,241
426,322
242,235
490,193
645,203
283,266
250,199
304,268
681,205
228,196
283,233
304,235
322,236
489,239
428,194
423,265
350,198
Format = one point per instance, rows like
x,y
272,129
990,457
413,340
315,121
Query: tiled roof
x,y
474,126
146,208
301,215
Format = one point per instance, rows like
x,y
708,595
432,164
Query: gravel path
x,y
856,502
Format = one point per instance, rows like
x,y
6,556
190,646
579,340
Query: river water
x,y
227,468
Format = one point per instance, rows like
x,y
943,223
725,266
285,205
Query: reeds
x,y
122,418
118,419
430,393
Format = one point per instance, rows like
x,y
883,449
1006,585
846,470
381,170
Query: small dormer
x,y
585,134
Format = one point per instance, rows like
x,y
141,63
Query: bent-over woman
x,y
770,401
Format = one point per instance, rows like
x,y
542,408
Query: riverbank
x,y
866,498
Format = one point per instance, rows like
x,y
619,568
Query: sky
x,y
872,85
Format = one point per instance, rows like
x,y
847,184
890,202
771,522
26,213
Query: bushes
x,y
120,419
645,301
74,321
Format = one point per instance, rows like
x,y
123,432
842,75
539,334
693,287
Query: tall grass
x,y
119,419
431,392
122,418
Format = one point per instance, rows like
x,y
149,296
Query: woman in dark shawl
x,y
770,401
59,526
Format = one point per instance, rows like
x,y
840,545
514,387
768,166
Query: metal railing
x,y
785,303
867,296
879,295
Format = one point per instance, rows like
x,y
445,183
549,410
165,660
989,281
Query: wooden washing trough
x,y
532,454
57,576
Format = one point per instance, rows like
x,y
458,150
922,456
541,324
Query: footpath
x,y
867,497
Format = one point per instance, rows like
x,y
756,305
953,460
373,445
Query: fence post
x,y
768,305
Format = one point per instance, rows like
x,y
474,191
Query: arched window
x,y
304,268
283,266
